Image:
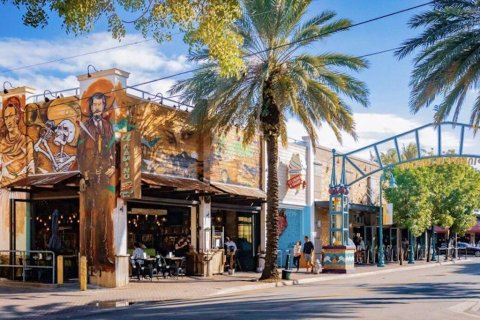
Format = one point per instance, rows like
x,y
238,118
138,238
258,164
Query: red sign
x,y
294,182
295,173
130,175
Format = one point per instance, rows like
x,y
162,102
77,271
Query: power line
x,y
341,29
294,42
9,70
179,103
377,52
75,56
276,47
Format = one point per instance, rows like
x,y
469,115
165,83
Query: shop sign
x,y
130,165
296,171
387,214
148,211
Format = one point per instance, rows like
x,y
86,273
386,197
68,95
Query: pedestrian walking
x,y
297,253
308,251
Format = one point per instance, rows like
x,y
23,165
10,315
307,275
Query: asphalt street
x,y
448,292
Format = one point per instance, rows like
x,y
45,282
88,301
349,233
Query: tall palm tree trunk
x,y
270,120
270,271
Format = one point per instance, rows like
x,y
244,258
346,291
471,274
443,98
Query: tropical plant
x,y
447,65
407,152
279,81
205,22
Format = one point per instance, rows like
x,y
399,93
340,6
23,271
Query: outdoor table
x,y
177,261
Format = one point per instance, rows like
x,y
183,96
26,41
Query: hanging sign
x,y
296,178
130,165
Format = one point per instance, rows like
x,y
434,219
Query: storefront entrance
x,y
161,229
242,228
41,230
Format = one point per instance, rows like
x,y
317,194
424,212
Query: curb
x,y
331,278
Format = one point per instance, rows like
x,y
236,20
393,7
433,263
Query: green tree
x,y
205,22
412,208
280,80
443,195
447,64
456,193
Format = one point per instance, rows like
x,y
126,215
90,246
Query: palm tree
x,y
448,64
278,81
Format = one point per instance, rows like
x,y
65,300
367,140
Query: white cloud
x,y
144,61
374,127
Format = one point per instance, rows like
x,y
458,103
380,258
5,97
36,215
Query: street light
x,y
386,175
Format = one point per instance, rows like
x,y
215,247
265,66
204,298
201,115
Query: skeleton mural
x,y
57,132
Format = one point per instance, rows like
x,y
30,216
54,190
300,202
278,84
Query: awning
x,y
177,183
42,180
438,229
475,228
243,191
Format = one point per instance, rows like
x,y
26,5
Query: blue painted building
x,y
296,194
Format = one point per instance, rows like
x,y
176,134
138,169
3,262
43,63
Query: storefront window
x,y
160,229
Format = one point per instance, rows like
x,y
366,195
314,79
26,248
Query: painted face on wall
x,y
10,118
64,133
97,108
180,139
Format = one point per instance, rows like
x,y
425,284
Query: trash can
x,y
286,274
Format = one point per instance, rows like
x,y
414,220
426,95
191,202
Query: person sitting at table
x,y
137,258
138,253
181,247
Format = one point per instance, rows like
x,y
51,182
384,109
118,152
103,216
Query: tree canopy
x,y
443,195
280,80
204,22
446,66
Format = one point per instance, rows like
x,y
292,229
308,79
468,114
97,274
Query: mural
x,y
16,147
169,145
38,138
96,156
54,128
229,161
292,231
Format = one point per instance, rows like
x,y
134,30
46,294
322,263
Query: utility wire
x,y
276,47
341,29
293,42
179,103
9,70
75,56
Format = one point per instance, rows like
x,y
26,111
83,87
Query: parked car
x,y
471,250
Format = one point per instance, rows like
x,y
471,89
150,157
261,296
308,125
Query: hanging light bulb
x,y
49,217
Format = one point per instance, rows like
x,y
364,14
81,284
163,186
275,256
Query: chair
x,y
161,267
138,268
182,269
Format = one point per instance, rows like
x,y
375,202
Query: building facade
x,y
296,195
92,173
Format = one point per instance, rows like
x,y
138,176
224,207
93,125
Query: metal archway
x,y
447,139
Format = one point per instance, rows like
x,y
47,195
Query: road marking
x,y
466,307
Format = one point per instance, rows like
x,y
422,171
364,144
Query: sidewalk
x,y
67,300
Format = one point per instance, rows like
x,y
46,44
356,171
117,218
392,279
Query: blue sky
x,y
387,78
